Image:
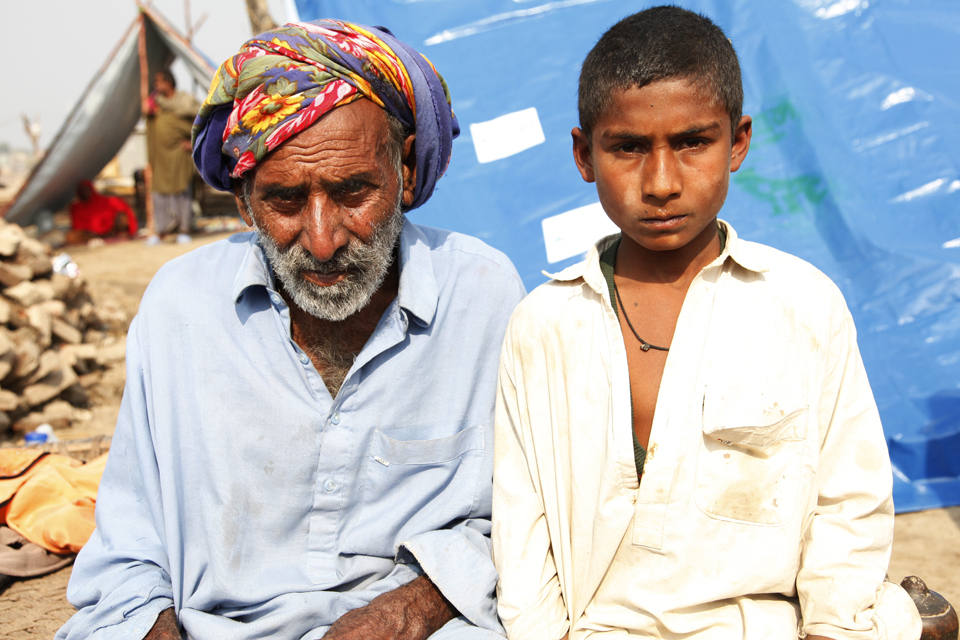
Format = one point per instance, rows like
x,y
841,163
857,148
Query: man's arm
x,y
121,580
846,547
412,612
165,628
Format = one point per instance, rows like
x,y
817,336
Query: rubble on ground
x,y
54,339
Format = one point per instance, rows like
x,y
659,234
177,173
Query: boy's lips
x,y
324,279
664,223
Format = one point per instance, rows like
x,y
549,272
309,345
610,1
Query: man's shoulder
x,y
197,276
464,254
444,241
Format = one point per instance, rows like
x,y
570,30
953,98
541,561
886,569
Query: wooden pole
x,y
144,96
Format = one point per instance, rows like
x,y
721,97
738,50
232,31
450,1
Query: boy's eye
x,y
692,143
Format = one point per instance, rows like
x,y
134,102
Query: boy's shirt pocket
x,y
750,463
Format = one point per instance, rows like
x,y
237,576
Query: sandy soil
x,y
926,544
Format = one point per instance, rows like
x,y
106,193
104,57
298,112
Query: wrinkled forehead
x,y
348,140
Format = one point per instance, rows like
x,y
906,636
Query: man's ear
x,y
741,142
409,169
241,205
582,155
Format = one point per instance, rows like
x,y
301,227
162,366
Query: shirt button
x,y
335,419
275,298
304,359
329,485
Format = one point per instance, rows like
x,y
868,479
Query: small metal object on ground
x,y
939,617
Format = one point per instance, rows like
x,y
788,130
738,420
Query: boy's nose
x,y
322,234
661,175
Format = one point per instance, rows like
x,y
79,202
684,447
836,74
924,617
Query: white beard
x,y
365,265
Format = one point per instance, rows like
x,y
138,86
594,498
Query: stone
x,y
13,274
9,401
30,293
49,387
11,236
7,362
76,395
6,344
4,310
57,308
112,353
33,420
64,332
30,249
49,362
28,356
62,286
42,321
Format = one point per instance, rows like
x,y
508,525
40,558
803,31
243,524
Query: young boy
x,y
686,442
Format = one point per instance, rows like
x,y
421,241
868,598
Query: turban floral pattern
x,y
283,80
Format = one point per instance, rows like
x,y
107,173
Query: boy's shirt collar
x,y
741,252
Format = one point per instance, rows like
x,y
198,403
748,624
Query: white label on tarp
x,y
507,135
574,232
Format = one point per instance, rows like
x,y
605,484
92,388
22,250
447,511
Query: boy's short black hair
x,y
656,44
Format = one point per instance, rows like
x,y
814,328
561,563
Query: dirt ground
x,y
926,544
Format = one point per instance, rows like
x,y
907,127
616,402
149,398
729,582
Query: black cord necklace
x,y
644,345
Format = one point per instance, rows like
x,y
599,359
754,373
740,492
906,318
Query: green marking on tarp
x,y
769,126
785,195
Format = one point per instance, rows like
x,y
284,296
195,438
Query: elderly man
x,y
304,446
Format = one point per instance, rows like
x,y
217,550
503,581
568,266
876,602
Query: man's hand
x,y
165,628
412,612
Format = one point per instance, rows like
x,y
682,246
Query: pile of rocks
x,y
51,336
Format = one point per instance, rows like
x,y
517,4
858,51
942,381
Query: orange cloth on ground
x,y
55,507
98,213
17,465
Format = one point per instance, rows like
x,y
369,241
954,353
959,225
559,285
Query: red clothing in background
x,y
98,213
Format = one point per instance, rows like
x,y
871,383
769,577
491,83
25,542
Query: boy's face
x,y
661,157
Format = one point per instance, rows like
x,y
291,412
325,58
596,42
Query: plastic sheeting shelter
x,y
853,167
104,117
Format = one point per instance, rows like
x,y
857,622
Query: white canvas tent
x,y
105,115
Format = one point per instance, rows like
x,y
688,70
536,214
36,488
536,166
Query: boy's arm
x,y
846,547
529,598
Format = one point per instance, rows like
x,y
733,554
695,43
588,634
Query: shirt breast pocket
x,y
410,487
750,465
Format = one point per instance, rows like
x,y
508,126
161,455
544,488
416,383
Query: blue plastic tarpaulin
x,y
853,167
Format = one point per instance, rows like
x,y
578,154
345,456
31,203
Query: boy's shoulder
x,y
784,273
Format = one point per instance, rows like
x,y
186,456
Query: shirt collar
x,y
418,294
742,252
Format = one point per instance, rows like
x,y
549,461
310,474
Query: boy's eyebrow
x,y
692,131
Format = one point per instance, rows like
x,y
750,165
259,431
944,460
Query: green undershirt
x,y
607,260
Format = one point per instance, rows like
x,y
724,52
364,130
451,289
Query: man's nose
x,y
661,175
322,234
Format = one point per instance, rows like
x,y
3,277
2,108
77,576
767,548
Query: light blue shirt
x,y
239,492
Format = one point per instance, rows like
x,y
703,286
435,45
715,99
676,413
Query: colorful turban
x,y
283,80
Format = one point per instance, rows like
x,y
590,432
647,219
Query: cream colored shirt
x,y
767,487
